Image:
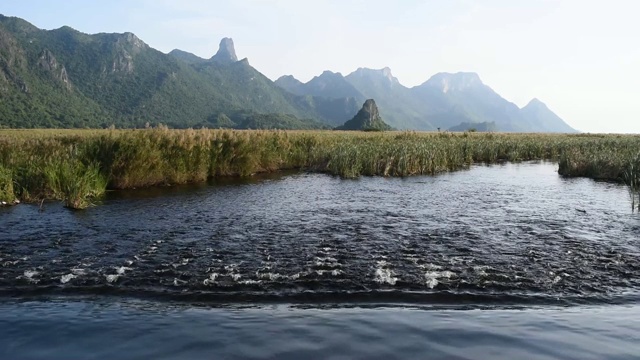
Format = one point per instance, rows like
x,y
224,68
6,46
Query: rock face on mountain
x,y
367,119
226,53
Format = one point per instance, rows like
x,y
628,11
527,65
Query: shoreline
x,y
78,166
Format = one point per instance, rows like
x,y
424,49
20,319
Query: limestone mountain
x,y
334,97
226,53
398,105
463,97
481,127
291,84
444,101
367,119
538,115
65,78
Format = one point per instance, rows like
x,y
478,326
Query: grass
x,y
76,166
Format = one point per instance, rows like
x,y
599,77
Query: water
x,y
508,261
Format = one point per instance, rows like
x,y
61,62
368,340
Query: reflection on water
x,y
513,234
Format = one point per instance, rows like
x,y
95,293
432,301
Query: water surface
x,y
501,262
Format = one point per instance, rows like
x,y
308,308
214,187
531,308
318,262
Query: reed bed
x,y
76,166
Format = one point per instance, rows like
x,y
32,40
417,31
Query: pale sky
x,y
580,57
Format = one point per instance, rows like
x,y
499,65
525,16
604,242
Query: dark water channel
x,y
513,246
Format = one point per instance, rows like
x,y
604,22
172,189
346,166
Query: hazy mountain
x,y
452,97
481,127
542,119
65,78
397,104
367,119
444,101
291,84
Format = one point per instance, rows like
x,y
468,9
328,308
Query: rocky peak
x,y
226,52
370,109
459,81
535,104
368,118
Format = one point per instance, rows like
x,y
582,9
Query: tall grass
x,y
6,185
632,178
75,165
76,184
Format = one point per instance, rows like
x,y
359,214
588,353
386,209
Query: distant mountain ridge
x,y
65,78
446,100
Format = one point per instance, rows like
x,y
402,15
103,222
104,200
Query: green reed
x,y
76,165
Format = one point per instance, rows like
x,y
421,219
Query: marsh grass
x,y
6,185
632,179
76,184
76,165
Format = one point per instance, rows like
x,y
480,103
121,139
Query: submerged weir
x,y
512,234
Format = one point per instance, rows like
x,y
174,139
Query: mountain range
x,y
65,78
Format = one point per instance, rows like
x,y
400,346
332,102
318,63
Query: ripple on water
x,y
505,231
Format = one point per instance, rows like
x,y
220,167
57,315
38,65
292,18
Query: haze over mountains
x,y
65,78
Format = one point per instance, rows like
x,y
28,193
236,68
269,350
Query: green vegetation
x,y
63,78
6,185
76,166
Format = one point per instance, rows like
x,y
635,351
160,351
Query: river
x,y
503,261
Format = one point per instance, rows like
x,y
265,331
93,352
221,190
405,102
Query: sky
x,y
580,57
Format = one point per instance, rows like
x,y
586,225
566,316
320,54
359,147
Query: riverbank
x,y
77,166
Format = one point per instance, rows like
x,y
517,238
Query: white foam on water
x,y
78,271
295,276
111,278
269,276
334,272
432,267
235,277
250,282
212,278
431,283
121,270
432,277
384,275
178,282
480,270
66,278
29,274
